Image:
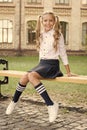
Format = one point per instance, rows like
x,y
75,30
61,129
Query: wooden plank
x,y
18,74
12,73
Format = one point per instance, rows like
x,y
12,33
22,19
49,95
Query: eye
x,y
45,20
51,20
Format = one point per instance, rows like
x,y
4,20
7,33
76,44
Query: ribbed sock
x,y
20,88
42,91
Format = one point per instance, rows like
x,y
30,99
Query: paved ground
x,y
31,114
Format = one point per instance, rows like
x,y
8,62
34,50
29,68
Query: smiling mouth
x,y
48,26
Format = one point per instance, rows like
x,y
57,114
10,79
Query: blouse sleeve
x,y
62,51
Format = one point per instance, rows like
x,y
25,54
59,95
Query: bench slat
x,y
18,74
12,73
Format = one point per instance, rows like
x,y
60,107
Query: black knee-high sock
x,y
42,91
20,88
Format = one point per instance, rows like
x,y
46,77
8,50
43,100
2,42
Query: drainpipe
x,y
20,5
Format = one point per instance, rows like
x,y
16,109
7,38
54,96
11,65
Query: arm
x,y
68,70
63,55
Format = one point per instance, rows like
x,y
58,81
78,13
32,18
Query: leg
x,y
20,88
35,78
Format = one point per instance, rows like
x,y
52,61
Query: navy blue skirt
x,y
48,69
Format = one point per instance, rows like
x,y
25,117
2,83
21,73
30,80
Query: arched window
x,y
61,1
65,31
34,1
84,2
6,29
6,0
84,33
31,25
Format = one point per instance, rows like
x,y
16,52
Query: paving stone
x,y
32,115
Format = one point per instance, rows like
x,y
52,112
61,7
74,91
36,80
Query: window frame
x,y
84,4
65,31
84,33
61,3
5,31
32,2
6,1
31,33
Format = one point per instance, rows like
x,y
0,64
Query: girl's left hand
x,y
71,74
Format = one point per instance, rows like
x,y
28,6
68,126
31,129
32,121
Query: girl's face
x,y
48,21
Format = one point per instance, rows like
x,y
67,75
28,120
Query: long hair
x,y
56,30
38,32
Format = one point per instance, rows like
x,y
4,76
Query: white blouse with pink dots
x,y
48,52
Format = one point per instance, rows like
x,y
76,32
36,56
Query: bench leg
x,y
2,97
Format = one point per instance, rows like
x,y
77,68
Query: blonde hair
x,y
56,30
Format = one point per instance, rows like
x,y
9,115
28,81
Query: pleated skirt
x,y
48,68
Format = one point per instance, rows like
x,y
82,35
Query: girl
x,y
50,43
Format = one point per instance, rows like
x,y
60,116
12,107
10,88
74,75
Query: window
x,y
6,0
34,1
61,1
31,34
84,33
5,31
84,2
65,31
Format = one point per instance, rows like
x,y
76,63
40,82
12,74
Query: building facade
x,y
18,21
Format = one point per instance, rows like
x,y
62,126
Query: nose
x,y
48,22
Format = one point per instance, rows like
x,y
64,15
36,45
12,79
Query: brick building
x,y
18,20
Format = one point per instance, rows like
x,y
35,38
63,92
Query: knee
x,y
31,77
24,80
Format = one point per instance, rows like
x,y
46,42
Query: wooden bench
x,y
18,74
